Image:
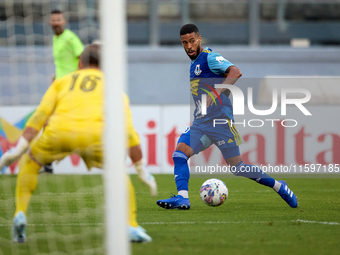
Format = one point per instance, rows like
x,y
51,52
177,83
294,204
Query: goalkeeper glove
x,y
14,153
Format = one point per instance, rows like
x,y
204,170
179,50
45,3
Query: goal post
x,y
72,211
113,34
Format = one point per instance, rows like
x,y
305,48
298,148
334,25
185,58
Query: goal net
x,y
66,212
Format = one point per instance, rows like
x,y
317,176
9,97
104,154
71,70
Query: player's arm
x,y
232,74
33,127
77,46
219,65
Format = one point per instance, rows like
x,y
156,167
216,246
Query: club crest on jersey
x,y
198,71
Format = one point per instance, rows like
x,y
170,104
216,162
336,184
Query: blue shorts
x,y
200,136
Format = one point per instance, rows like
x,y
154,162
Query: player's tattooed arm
x,y
232,74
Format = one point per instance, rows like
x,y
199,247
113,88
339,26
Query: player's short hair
x,y
91,56
56,12
188,29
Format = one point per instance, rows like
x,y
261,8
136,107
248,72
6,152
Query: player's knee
x,y
184,148
179,157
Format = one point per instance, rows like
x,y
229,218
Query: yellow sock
x,y
132,210
26,182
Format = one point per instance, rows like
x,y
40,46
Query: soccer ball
x,y
214,192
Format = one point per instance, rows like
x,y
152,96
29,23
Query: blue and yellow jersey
x,y
207,70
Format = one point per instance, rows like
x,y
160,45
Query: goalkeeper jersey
x,y
76,101
67,48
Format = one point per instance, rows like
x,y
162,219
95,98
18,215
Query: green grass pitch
x,y
66,217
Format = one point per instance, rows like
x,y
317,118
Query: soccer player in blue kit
x,y
207,69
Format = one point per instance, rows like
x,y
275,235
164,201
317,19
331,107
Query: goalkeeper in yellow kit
x,y
76,126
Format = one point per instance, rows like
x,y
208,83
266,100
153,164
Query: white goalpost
x,y
72,211
113,34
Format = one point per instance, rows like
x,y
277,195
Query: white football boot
x,y
19,228
138,235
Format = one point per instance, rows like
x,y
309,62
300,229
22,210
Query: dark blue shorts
x,y
200,136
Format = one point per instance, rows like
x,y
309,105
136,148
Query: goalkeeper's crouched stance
x,y
76,126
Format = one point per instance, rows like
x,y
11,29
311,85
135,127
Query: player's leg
x,y
136,233
182,174
92,157
43,151
26,184
135,153
231,154
252,172
188,145
47,169
132,217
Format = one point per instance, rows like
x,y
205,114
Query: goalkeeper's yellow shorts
x,y
54,144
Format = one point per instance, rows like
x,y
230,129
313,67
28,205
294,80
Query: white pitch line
x,y
69,193
186,223
238,222
59,224
205,222
317,222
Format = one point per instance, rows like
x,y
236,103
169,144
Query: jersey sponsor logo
x,y
198,71
194,87
221,60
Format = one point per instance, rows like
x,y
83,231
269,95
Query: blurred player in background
x,y
76,126
135,151
67,48
207,69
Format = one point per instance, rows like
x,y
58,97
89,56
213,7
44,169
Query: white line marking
x,y
61,224
186,223
68,193
205,222
317,222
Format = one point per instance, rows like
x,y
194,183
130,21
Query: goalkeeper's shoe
x,y
149,180
48,169
287,195
19,228
175,202
138,235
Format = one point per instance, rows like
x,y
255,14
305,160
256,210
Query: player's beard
x,y
197,53
57,29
